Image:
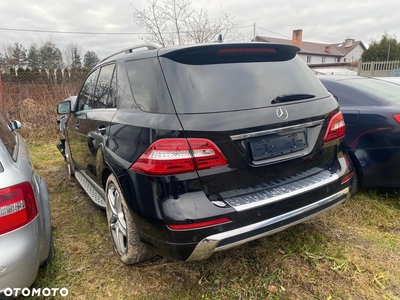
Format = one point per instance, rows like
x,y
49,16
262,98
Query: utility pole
x,y
388,54
254,32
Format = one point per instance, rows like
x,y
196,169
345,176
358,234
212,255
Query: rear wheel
x,y
355,184
124,233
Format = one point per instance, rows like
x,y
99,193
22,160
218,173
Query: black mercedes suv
x,y
196,149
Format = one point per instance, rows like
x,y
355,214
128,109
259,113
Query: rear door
x,y
94,128
77,122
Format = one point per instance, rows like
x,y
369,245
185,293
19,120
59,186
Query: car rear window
x,y
236,81
7,136
381,89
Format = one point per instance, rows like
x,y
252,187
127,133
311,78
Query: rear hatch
x,y
262,107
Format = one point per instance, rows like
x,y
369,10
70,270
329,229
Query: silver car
x,y
25,231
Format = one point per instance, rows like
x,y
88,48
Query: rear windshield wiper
x,y
291,97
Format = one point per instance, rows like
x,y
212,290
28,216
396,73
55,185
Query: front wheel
x,y
124,233
70,162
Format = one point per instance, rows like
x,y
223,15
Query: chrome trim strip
x,y
303,190
276,130
208,245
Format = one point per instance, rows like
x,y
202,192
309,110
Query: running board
x,y
88,185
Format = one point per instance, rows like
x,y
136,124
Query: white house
x,y
320,53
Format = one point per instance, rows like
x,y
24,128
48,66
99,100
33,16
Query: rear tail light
x,y
198,225
336,128
347,177
397,118
175,156
350,174
17,207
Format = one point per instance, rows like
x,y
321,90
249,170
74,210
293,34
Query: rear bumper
x,y
254,212
232,238
19,257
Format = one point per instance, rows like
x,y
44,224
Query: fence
x,y
378,68
32,100
2,101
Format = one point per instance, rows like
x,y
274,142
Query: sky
x,y
321,21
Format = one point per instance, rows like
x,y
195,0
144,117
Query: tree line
x,y
45,58
385,49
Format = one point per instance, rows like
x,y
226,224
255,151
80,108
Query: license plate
x,y
277,145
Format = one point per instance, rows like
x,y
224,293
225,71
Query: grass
x,y
350,252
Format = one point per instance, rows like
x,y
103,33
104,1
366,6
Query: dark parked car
x,y
371,109
25,230
395,80
197,149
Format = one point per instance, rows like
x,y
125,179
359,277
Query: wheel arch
x,y
357,167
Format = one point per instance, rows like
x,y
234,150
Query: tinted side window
x,y
104,91
7,135
112,95
148,86
86,93
125,97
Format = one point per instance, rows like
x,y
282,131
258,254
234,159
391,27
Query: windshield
x,y
381,89
237,86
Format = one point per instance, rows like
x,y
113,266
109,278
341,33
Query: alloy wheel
x,y
117,221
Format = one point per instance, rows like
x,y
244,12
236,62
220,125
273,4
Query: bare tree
x,y
72,55
154,20
173,22
7,61
14,56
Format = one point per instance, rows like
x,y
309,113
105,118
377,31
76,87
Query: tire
x,y
354,184
70,163
52,252
124,233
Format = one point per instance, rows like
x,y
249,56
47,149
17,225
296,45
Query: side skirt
x,y
94,191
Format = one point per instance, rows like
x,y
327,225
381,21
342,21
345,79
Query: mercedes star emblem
x,y
282,113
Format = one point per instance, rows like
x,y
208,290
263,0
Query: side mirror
x,y
64,107
16,125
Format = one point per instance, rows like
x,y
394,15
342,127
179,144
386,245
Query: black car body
x,y
200,148
371,109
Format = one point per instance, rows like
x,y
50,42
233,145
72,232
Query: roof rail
x,y
149,46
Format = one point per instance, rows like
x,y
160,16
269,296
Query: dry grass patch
x,y
351,252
